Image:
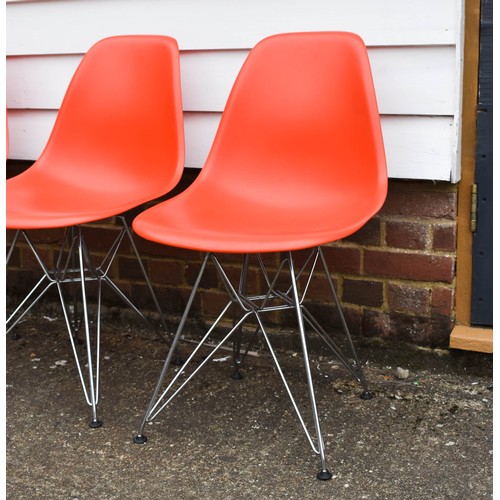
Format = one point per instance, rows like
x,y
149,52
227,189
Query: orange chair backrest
x,y
302,115
120,124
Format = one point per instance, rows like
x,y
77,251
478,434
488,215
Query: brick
x,y
346,260
363,292
15,258
319,289
29,260
412,266
109,296
46,236
154,249
269,258
173,300
444,238
253,279
141,296
300,257
442,301
419,199
100,239
150,248
108,222
402,234
167,272
353,317
128,268
9,235
210,278
213,302
19,282
328,317
431,331
376,323
368,235
408,299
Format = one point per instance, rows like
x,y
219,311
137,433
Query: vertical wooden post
x,y
470,88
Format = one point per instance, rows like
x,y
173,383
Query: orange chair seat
x,y
35,200
204,219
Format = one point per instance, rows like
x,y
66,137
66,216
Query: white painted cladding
x,y
414,47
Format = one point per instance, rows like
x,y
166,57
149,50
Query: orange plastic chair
x,y
117,142
298,161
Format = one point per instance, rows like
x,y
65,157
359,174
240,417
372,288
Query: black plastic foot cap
x,y
366,396
324,475
140,439
236,375
94,424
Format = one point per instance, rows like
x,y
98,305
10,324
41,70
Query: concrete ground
x,y
427,434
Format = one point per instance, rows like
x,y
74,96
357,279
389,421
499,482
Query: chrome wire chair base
x,y
275,299
73,270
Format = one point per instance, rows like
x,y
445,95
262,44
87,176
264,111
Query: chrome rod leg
x,y
287,387
366,394
146,276
76,316
16,319
12,246
31,299
73,342
120,294
140,438
161,404
98,340
237,359
70,325
312,322
324,474
93,381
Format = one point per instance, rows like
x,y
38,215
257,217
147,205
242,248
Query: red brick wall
x,y
404,285
395,277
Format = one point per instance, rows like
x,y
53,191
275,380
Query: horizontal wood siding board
x,y
48,27
417,147
408,80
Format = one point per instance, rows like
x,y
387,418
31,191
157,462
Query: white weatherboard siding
x,y
414,48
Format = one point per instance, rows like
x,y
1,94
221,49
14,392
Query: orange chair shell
x,y
104,157
298,159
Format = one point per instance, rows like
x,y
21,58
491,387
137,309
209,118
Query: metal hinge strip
x,y
473,208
